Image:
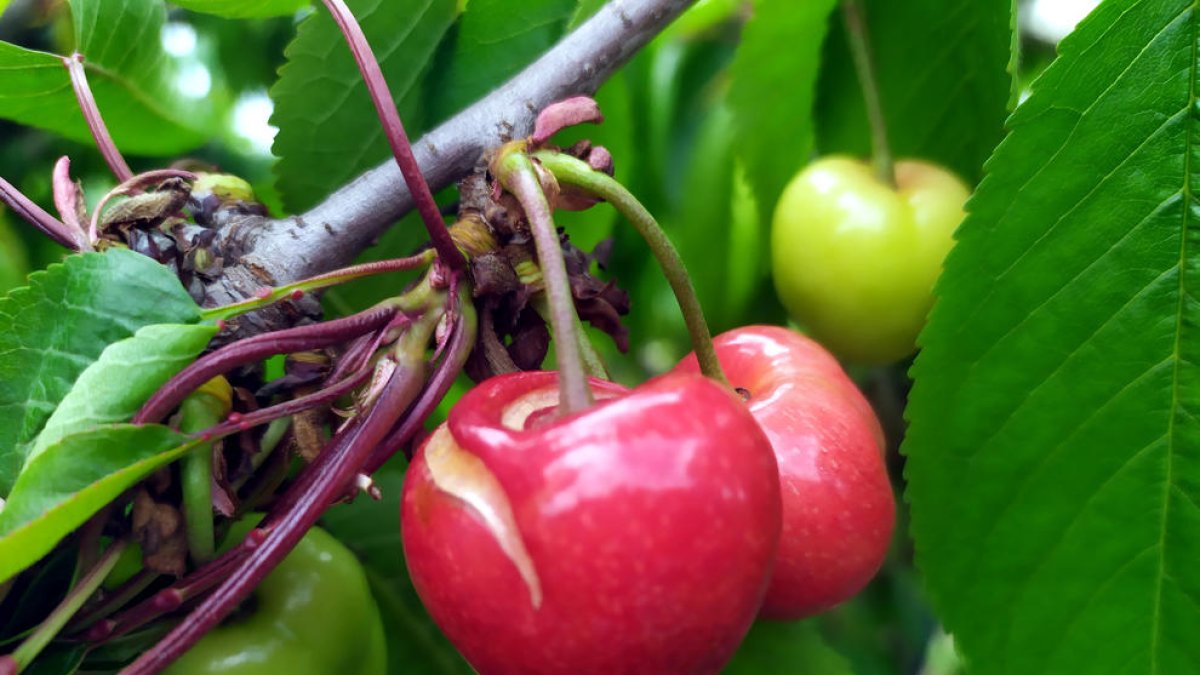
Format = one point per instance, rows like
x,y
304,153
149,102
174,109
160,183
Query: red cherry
x,y
838,509
634,537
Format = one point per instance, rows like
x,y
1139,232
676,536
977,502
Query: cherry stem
x,y
593,365
113,601
270,295
199,411
38,217
393,128
291,406
91,113
257,348
312,500
362,348
457,351
864,65
169,599
572,171
222,567
45,632
518,175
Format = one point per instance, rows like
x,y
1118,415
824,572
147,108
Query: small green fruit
x,y
855,259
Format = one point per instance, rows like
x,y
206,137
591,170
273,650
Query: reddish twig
x,y
255,349
171,598
91,113
457,351
37,216
393,129
242,421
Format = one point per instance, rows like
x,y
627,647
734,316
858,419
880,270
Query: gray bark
x,y
262,252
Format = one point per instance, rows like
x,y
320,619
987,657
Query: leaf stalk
x,y
571,171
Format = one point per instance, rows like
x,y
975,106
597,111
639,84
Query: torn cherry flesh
x,y
649,520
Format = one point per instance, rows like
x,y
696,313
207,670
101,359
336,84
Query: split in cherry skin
x,y
635,536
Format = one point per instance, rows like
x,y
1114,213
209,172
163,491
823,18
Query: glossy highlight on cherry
x,y
650,534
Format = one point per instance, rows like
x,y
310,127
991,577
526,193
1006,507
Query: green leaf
x,y
39,593
775,139
372,530
59,659
1054,447
133,80
727,255
244,9
328,130
584,10
943,80
55,328
115,386
786,648
492,42
74,479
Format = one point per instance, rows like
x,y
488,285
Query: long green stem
x,y
114,600
593,365
270,295
571,171
864,65
518,175
45,632
203,409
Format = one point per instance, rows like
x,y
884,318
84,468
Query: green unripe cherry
x,y
855,259
313,615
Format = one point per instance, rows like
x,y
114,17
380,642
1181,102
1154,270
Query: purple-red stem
x,y
356,354
329,394
221,567
412,262
399,392
91,113
457,351
169,599
364,346
254,349
393,128
37,216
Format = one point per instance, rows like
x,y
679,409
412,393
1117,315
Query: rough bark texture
x,y
259,251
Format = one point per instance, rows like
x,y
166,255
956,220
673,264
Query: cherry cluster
x,y
557,522
646,533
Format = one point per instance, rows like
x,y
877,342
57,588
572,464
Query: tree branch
x,y
270,252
